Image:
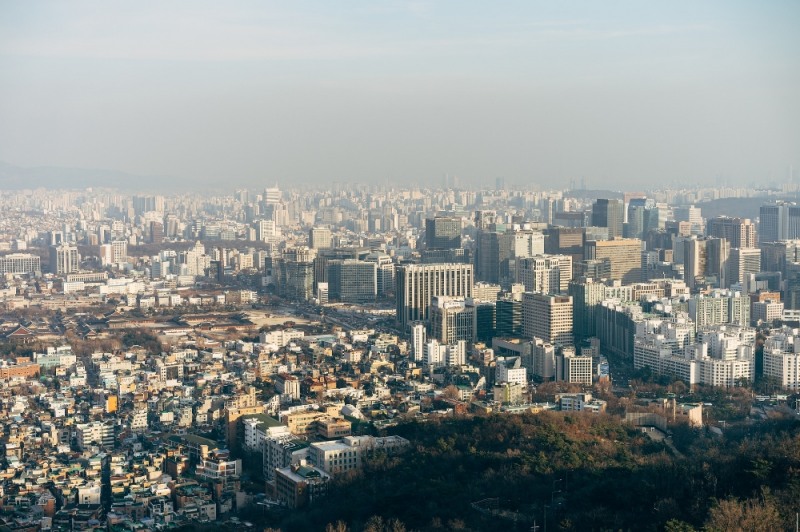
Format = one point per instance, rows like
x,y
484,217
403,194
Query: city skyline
x,y
406,92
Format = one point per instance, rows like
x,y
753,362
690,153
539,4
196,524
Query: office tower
x,y
776,255
694,262
266,230
791,296
742,262
352,281
143,204
508,320
739,232
623,254
547,317
643,217
64,258
451,320
717,260
272,195
691,214
484,219
485,318
527,244
114,253
417,284
319,238
443,232
492,256
325,255
566,241
156,232
608,213
292,273
586,294
548,274
570,219
385,272
779,221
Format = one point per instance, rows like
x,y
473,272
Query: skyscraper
x,y
547,317
319,238
739,232
586,294
417,284
452,320
623,254
548,274
609,213
443,232
64,258
352,281
742,262
779,221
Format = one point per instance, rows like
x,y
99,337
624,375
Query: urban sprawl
x,y
182,359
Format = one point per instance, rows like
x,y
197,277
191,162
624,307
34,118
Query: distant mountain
x,y
17,177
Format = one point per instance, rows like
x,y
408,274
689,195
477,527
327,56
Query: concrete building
x,y
417,284
624,256
739,232
547,317
451,319
443,232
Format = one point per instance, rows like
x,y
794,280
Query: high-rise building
x,y
292,273
443,232
508,321
609,213
272,195
156,232
547,317
695,256
643,216
548,274
779,221
385,271
452,320
739,232
742,262
64,259
319,238
492,255
417,284
352,281
623,254
586,294
718,253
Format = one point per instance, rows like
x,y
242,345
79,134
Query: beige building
x,y
547,317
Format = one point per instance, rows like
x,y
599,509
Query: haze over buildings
x,y
405,92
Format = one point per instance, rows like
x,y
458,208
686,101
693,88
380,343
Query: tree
x,y
450,392
339,526
676,525
732,515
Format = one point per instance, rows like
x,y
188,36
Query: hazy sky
x,y
621,93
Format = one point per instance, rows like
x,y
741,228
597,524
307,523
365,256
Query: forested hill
x,y
591,471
